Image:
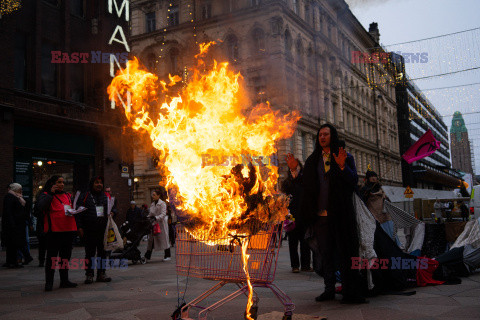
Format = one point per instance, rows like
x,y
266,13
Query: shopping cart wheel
x,y
143,260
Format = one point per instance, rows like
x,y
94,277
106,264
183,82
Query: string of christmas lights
x,y
9,6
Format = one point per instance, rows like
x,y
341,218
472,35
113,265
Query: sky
x,y
402,21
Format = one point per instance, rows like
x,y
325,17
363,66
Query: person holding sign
x,y
91,226
60,228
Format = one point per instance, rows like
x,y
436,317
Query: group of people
x,y
325,219
58,223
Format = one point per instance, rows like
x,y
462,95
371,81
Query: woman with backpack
x,y
59,228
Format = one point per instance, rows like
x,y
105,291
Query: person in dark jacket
x,y
464,211
42,240
60,229
92,224
134,213
372,185
293,186
13,224
329,181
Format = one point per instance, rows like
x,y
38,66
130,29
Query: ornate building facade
x,y
297,55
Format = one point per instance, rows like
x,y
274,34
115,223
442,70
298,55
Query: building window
x,y
152,63
77,7
174,63
231,5
150,21
258,37
311,101
77,84
49,71
206,11
311,60
307,13
232,48
20,62
288,44
296,6
300,53
259,88
173,16
334,112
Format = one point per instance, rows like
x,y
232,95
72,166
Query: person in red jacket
x,y
60,229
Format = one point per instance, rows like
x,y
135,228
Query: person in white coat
x,y
158,213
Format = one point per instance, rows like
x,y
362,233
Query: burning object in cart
x,y
222,206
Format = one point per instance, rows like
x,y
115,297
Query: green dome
x,y
458,125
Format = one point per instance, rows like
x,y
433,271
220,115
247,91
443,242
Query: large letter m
x,y
125,5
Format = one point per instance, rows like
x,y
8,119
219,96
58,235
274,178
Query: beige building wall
x,y
296,55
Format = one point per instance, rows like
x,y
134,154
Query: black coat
x,y
294,188
134,215
14,221
341,211
88,219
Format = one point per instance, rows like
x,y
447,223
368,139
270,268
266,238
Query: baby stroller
x,y
134,233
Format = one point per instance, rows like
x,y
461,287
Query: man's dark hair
x,y
335,142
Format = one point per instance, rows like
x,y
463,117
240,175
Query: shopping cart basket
x,y
220,259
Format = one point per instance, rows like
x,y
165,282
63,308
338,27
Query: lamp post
x,y
135,186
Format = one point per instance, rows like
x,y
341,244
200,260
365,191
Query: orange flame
x,y
201,134
245,257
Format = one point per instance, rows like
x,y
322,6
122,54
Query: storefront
x,y
40,154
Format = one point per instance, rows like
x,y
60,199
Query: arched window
x,y
311,59
288,44
152,62
173,57
300,53
258,37
232,48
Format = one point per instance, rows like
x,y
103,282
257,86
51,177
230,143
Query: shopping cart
x,y
220,259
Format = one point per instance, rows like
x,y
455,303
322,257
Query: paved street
x,y
150,292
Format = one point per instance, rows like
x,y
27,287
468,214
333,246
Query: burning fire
x,y
215,149
207,121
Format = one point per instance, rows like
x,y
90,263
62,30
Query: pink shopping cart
x,y
220,259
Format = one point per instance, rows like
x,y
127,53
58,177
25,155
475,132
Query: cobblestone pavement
x,y
150,292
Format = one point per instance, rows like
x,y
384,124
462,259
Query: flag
x,y
424,147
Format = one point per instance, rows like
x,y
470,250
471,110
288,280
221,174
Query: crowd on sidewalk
x,y
62,217
322,228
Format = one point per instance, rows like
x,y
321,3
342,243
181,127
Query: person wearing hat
x,y
374,197
134,213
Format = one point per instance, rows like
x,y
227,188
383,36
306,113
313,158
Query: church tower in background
x,y
460,145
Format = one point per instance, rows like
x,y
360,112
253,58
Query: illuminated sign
x,y
119,36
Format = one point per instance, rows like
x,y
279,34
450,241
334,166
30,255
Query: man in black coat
x,y
91,226
293,186
330,178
